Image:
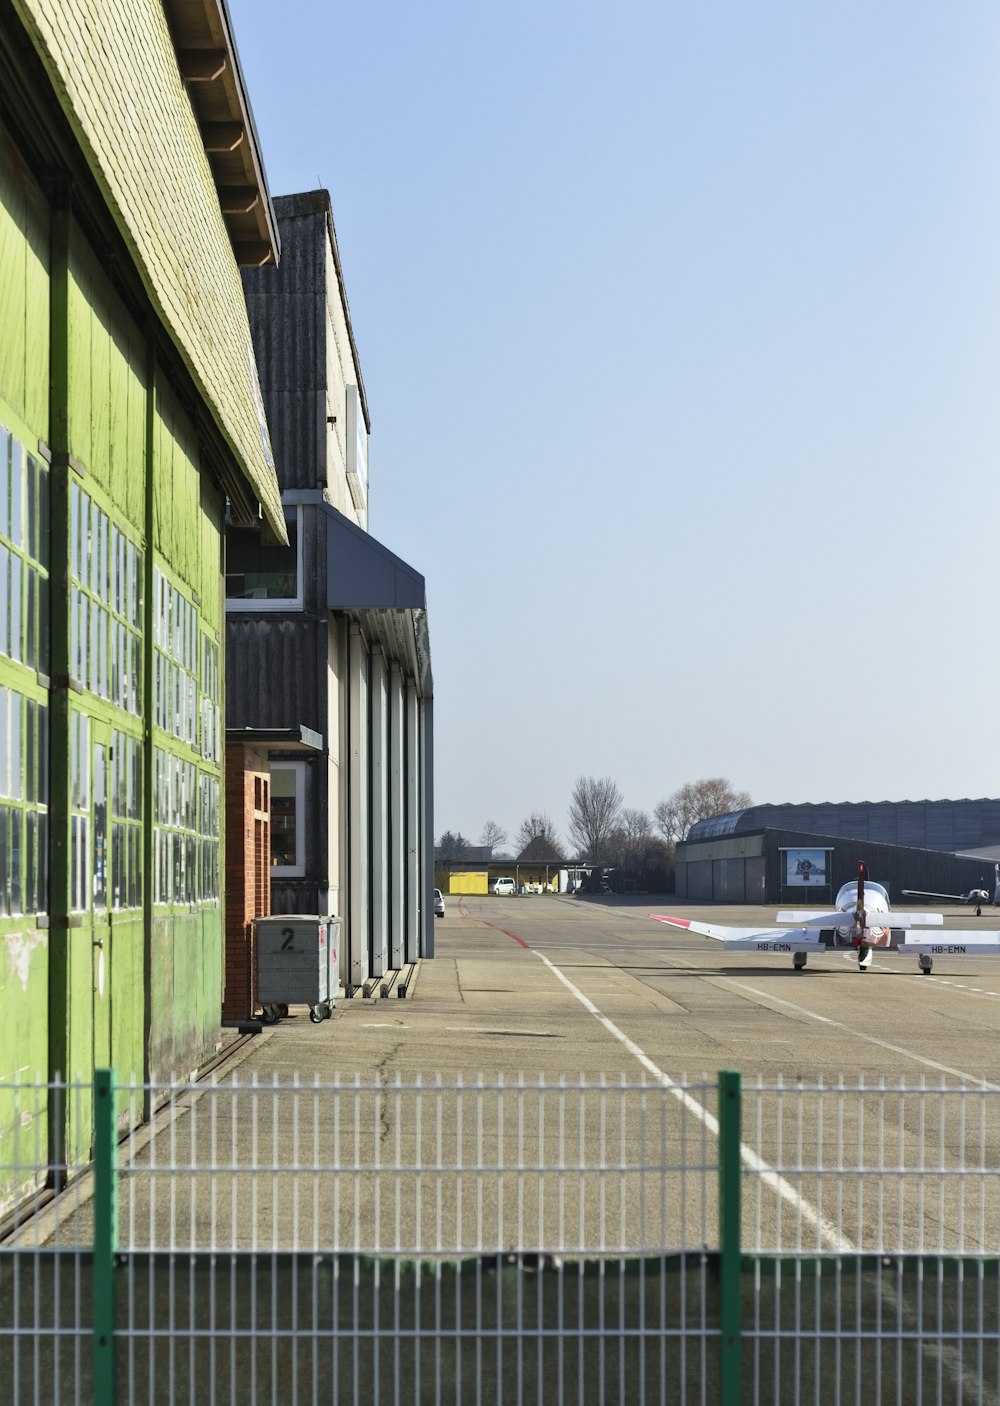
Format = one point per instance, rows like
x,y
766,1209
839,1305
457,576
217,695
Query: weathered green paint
x,y
109,382
65,1142
186,974
24,410
119,86
186,948
126,979
24,307
87,370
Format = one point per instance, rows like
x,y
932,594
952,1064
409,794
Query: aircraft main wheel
x,y
799,960
926,963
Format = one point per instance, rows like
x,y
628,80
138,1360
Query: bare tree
x,y
493,835
636,829
594,808
697,800
538,839
627,842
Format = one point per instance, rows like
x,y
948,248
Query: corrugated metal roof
x,y
947,825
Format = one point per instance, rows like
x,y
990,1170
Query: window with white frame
x,y
288,849
262,576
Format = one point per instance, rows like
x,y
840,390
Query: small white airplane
x,y
977,896
851,925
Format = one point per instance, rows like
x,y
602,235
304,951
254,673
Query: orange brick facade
x,y
248,872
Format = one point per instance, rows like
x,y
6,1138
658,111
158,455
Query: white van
x,y
504,886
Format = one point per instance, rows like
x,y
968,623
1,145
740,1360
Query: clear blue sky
x,y
680,327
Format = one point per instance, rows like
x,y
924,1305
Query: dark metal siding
x,y
699,880
894,866
288,323
276,672
728,880
763,880
756,879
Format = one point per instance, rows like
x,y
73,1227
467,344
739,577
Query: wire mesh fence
x,y
525,1241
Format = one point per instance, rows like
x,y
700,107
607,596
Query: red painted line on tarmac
x,y
462,913
514,935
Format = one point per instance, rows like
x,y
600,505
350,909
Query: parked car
x,y
504,886
438,903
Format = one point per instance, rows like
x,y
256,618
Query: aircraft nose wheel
x,y
799,960
926,963
864,957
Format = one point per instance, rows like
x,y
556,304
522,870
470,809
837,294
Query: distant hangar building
x,y
803,853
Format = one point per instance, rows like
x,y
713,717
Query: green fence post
x,y
105,1237
730,1252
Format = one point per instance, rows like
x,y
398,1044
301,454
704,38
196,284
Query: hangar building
x,y
794,853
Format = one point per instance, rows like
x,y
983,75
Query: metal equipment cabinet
x,y
297,963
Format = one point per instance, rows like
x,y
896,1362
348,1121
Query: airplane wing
x,y
923,893
809,918
749,939
953,943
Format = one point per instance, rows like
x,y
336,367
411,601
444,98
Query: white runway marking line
x,y
948,1356
829,1233
860,1034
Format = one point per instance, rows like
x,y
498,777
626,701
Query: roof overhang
x,y
210,67
275,739
379,589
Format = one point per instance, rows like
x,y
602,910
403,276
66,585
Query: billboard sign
x,y
805,867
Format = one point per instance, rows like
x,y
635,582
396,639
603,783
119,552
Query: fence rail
x,y
691,1241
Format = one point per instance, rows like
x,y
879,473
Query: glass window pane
x,y
100,855
15,645
15,842
283,837
16,532
4,905
4,742
43,513
102,556
15,767
43,624
258,572
4,600
30,616
32,896
5,438
30,752
31,509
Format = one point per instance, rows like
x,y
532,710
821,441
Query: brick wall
x,y
248,872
